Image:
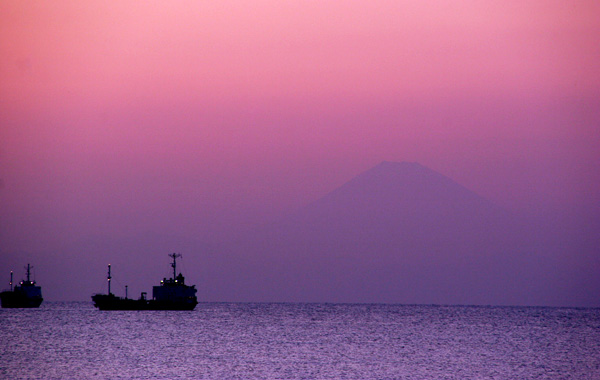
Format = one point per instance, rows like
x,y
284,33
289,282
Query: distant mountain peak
x,y
405,181
394,168
401,163
394,165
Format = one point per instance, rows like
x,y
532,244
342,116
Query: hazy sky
x,y
190,116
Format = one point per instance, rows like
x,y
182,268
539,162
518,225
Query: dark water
x,y
300,341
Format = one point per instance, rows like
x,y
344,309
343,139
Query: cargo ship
x,y
171,294
25,295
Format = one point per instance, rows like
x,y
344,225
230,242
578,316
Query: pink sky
x,y
297,97
185,116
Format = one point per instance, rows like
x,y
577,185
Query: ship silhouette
x,y
171,294
25,295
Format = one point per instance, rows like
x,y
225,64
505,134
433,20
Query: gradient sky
x,y
191,117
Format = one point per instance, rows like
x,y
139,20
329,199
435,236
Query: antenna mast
x,y
174,264
28,273
108,278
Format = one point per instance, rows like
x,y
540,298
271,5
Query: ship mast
x,y
174,264
11,280
108,278
28,273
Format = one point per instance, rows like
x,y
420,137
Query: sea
x,y
72,340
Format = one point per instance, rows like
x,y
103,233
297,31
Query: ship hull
x,y
17,300
111,302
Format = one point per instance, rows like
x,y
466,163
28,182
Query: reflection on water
x,y
300,341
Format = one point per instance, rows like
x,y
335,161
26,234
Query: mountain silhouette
x,y
399,198
403,182
399,232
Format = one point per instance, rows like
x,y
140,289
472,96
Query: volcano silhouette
x,y
399,232
400,199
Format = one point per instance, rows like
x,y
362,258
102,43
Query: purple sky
x,y
202,119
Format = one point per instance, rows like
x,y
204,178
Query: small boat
x,y
25,295
171,294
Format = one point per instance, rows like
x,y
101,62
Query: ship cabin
x,y
174,290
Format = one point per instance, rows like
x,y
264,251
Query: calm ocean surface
x,y
300,341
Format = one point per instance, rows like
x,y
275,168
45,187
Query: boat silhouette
x,y
25,295
171,294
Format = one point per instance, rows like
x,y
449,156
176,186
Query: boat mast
x,y
108,278
174,264
11,280
28,273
